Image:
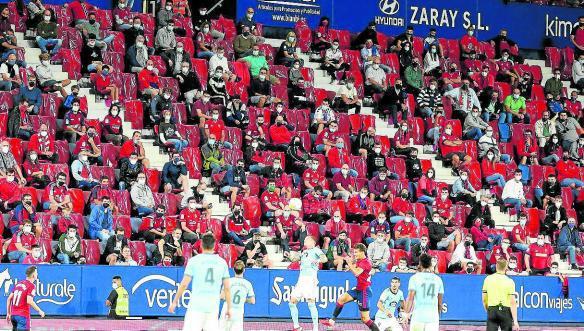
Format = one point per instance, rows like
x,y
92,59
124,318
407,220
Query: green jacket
x,y
47,30
413,77
553,86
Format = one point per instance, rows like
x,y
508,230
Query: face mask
x,y
254,145
463,178
47,18
276,165
314,166
105,205
114,286
133,162
432,87
515,96
522,222
489,133
286,213
211,141
249,16
540,242
83,158
170,28
448,131
572,225
444,196
377,150
483,203
192,205
26,229
380,240
262,77
484,74
408,219
142,181
60,182
91,44
350,85
558,204
33,157
345,172
91,21
206,30
291,39
363,195
518,178
10,179
333,130
271,188
407,48
169,8
5,149
398,86
375,66
557,76
340,145
337,219
137,26
554,270
490,156
255,53
36,254
436,219
469,270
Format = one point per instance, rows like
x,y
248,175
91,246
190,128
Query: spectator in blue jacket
x,y
235,180
101,222
174,174
569,242
24,211
31,93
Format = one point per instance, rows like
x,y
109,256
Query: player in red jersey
x,y
20,301
361,294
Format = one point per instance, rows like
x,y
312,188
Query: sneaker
x,y
428,149
330,324
575,266
298,329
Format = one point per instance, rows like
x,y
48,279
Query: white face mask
x,y
276,165
404,128
91,43
484,74
350,85
444,196
167,96
122,5
518,178
314,166
114,285
141,181
540,242
558,204
254,145
522,222
33,157
139,43
75,108
489,133
179,49
71,234
26,229
206,30
185,70
291,39
377,150
363,195
36,254
47,18
490,156
464,177
554,270
262,77
337,219
169,8
345,172
436,219
215,117
512,265
5,149
45,63
408,219
82,158
286,213
255,53
43,133
114,113
483,203
149,67
192,205
448,131
375,66
132,162
380,239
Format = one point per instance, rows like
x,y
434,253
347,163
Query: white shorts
x,y
235,323
418,326
197,321
388,324
306,287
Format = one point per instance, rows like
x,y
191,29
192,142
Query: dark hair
x,y
30,270
117,277
396,278
208,241
425,261
72,226
238,267
361,247
518,171
61,174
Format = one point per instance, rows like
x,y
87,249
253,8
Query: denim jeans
x,y
517,203
20,322
144,211
567,182
179,144
520,247
352,172
407,242
571,251
505,158
474,134
228,145
84,184
505,120
397,218
382,266
236,239
426,199
255,168
205,55
434,135
103,237
488,245
43,43
550,159
63,258
17,256
497,178
215,168
320,148
426,112
538,193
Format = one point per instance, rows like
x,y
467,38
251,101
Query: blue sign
x,y
450,18
82,291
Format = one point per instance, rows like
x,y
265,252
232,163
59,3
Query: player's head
x,y
208,241
31,273
501,265
116,281
309,242
360,251
395,282
239,268
425,261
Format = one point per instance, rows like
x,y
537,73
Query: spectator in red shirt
x,y
327,138
344,183
568,174
215,126
112,128
153,226
332,228
338,156
483,240
443,206
539,256
406,232
502,251
483,79
519,235
359,207
35,175
506,73
191,222
35,257
21,243
43,144
74,126
91,145
514,269
280,134
56,195
148,80
271,204
468,43
289,228
104,86
452,78
401,207
527,149
238,228
403,140
314,206
451,147
65,220
134,146
313,177
9,191
103,189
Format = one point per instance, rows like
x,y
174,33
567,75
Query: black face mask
x,y
159,214
105,205
236,212
28,203
398,86
119,237
91,21
467,243
60,183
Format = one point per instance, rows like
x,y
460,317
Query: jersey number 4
x,y
209,276
428,290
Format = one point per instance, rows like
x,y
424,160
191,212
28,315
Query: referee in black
x,y
499,300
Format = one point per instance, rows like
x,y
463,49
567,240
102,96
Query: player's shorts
x,y
306,287
418,326
388,324
196,321
20,322
361,298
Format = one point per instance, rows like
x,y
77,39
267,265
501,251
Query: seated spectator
x,y
379,186
22,113
170,245
484,81
31,93
271,204
525,85
519,238
488,143
174,174
334,63
413,77
429,99
165,39
463,99
432,40
215,126
255,156
569,129
513,193
403,140
375,161
378,227
24,211
294,73
480,209
298,99
452,149
443,206
113,247
552,151
129,171
555,105
92,27
474,125
9,191
426,190
21,243
413,171
91,56
201,110
513,268
327,138
442,236
347,98
9,45
394,101
220,60
365,142
159,104
433,134
137,55
338,156
463,254
255,61
526,151
405,56
212,156
105,87
204,42
91,145
297,158
255,253
36,257
289,227
9,162
280,134
406,232
359,207
483,240
378,252
56,195
122,15
216,87
402,266
98,192
515,111
234,181
69,247
46,33
402,209
339,251
112,128
505,71
189,85
131,34
238,228
276,173
432,62
375,79
554,84
125,258
148,80
74,125
243,43
538,257
10,74
578,73
142,197
237,114
344,183
468,44
173,58
153,226
577,151
288,51
64,220
168,133
569,242
568,174
81,172
471,268
555,218
492,106
192,223
260,90
462,189
101,221
420,248
324,115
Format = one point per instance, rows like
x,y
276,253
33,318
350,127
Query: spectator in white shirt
x,y
126,258
463,254
464,98
513,193
219,60
375,80
578,73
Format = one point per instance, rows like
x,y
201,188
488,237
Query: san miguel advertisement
x,y
82,291
546,24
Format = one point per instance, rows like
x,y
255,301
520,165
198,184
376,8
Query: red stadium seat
x,y
228,253
134,114
187,250
354,233
169,200
124,222
91,251
77,199
252,210
138,249
193,161
153,179
395,255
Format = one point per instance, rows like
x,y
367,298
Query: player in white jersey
x,y
390,303
307,285
209,273
241,293
425,296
